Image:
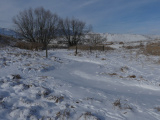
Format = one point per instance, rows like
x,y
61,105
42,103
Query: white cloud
x,y
86,3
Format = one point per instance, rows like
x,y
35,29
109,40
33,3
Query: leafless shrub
x,y
95,39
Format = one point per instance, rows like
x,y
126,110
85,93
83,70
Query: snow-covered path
x,y
65,86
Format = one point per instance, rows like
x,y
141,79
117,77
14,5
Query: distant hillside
x,y
8,32
128,37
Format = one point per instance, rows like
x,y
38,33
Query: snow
x,y
129,37
82,87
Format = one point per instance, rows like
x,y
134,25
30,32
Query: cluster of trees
x,y
95,39
42,26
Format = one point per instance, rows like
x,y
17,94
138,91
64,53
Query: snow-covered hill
x,y
129,37
8,32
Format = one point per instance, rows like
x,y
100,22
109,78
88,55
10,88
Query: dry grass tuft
x,y
57,99
126,106
132,76
103,59
152,49
29,46
157,108
112,74
123,106
134,47
117,103
121,42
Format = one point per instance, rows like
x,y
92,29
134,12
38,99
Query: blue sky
x,y
112,16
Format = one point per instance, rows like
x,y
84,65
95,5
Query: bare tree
x,y
46,25
73,30
24,22
95,39
37,25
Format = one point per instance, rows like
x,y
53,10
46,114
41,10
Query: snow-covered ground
x,y
111,85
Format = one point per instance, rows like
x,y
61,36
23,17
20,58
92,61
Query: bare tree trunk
x,y
46,51
76,49
90,49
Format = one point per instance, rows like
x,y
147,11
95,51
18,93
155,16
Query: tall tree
x,y
38,25
73,30
24,22
95,39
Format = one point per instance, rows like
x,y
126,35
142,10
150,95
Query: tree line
x,y
42,26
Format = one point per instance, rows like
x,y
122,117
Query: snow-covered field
x,y
110,85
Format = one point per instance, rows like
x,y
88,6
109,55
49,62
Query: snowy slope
x,y
8,32
115,85
129,37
